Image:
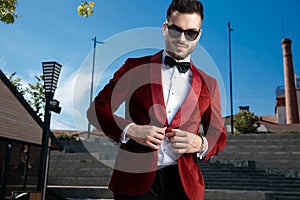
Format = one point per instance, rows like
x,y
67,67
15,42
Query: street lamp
x,y
92,79
230,76
51,71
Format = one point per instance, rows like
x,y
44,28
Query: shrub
x,y
64,136
246,122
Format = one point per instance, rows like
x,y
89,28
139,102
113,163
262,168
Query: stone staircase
x,y
248,178
253,166
84,171
77,169
273,153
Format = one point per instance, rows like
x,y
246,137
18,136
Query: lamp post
x,y
92,79
230,75
51,71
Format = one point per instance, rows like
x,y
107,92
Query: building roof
x,y
18,120
80,134
270,123
269,119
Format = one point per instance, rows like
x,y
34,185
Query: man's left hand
x,y
184,142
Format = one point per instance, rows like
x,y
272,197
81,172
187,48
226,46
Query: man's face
x,y
180,47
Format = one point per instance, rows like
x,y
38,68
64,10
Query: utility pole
x,y
230,79
92,79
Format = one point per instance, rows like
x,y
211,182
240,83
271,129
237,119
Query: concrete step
x,y
253,185
92,145
292,136
282,147
286,195
83,156
258,155
260,163
250,177
214,194
80,158
245,188
261,140
103,193
87,192
70,164
278,164
80,172
91,192
75,181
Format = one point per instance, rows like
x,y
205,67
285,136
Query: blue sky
x,y
52,30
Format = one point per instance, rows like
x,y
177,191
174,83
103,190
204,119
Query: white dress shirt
x,y
174,96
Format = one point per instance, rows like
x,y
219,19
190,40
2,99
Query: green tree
x,y
7,11
8,8
34,93
246,122
37,97
17,83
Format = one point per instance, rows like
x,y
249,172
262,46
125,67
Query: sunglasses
x,y
176,31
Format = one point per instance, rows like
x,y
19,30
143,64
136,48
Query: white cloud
x,y
59,124
74,94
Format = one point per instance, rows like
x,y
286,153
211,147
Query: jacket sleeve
x,y
101,112
213,124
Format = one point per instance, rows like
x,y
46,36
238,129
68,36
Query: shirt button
x,y
169,111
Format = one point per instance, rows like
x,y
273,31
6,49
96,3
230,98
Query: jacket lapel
x,y
190,104
159,107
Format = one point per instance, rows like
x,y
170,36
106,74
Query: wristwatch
x,y
202,148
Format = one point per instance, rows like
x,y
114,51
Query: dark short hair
x,y
185,6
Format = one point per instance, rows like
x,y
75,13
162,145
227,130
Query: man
x,y
166,99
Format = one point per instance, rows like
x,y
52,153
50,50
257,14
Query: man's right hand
x,y
150,136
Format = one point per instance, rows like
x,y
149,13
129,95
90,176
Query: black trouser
x,y
166,186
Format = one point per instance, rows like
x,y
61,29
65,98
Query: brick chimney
x,y
291,105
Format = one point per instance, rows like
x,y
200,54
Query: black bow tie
x,y
181,66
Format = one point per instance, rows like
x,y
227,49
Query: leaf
x,y
7,11
85,9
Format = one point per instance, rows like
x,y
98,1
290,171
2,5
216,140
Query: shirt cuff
x,y
203,152
124,139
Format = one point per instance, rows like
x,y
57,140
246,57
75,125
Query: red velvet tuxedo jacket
x,y
138,84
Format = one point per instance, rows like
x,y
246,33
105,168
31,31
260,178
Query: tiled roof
x,y
270,123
